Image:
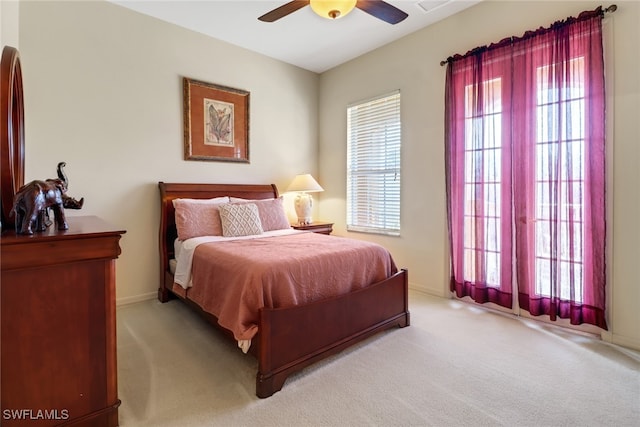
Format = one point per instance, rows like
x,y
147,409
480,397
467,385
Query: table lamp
x,y
303,185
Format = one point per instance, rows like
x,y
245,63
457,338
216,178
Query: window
x,y
564,147
559,182
373,165
483,156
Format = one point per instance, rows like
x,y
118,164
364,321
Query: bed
x,y
290,337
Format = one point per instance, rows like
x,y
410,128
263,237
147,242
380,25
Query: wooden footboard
x,y
293,338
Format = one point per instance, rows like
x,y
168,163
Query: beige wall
x,y
9,23
103,92
412,65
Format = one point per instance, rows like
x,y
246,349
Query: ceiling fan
x,y
333,9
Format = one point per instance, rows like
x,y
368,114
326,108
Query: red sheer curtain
x,y
525,146
479,175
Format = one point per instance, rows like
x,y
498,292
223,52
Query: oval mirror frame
x,y
11,132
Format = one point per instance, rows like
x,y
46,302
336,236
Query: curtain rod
x,y
609,9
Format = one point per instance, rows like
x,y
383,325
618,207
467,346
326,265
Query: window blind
x,y
373,165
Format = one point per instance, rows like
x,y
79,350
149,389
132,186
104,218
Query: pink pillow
x,y
272,213
196,217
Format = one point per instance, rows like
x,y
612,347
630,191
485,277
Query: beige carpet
x,y
456,365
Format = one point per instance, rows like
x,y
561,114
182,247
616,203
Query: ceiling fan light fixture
x,y
333,9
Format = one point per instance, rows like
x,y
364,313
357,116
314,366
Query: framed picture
x,y
216,122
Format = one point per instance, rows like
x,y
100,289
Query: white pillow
x,y
240,220
215,200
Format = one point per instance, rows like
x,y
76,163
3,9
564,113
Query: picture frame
x,y
216,122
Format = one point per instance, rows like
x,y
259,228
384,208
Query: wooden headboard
x,y
170,191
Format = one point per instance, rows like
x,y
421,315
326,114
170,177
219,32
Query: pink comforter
x,y
234,279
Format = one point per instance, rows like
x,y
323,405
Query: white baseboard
x,y
426,291
621,340
136,298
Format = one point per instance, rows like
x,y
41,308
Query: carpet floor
x,y
456,365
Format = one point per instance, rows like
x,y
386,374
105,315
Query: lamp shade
x,y
304,183
332,9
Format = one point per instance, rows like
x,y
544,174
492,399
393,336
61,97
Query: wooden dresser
x,y
58,326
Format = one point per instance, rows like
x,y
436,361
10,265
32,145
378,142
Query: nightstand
x,y
316,227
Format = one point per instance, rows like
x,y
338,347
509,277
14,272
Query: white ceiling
x,y
301,38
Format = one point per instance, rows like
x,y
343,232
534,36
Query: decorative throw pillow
x,y
198,217
240,220
272,213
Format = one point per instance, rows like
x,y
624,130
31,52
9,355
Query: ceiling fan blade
x,y
284,10
382,10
